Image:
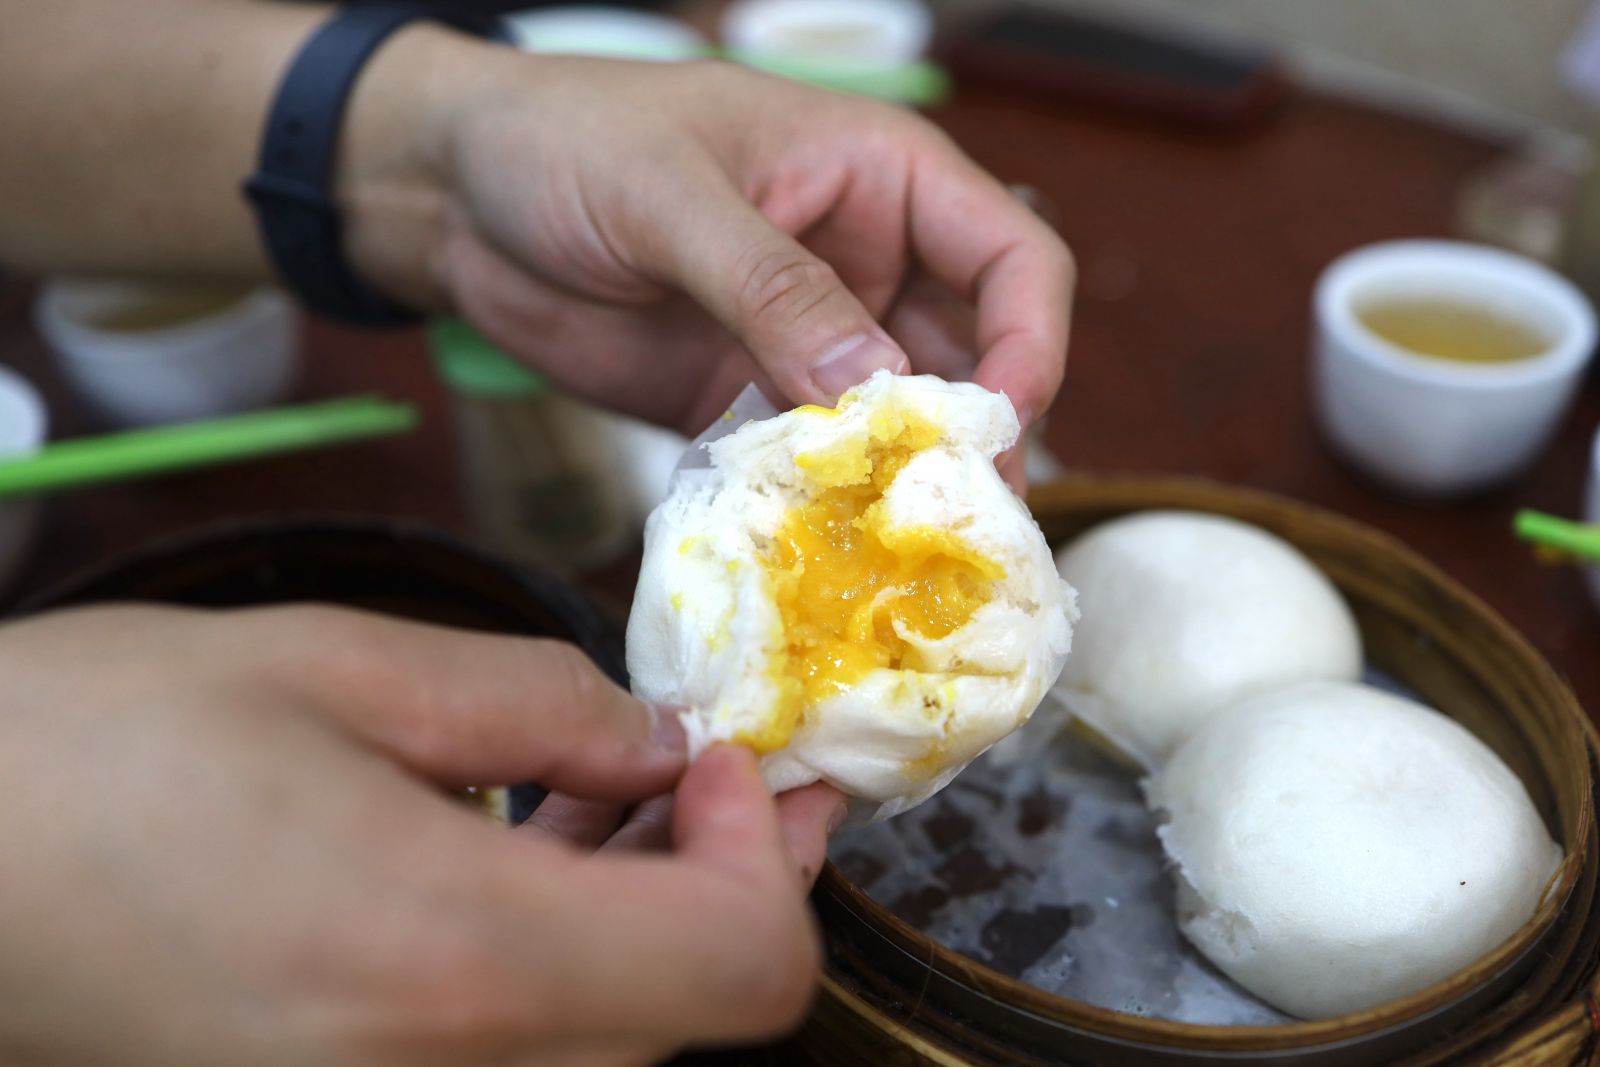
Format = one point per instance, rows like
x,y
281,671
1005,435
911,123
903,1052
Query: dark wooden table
x,y
1198,252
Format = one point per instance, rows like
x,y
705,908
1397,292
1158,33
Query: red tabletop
x,y
1197,251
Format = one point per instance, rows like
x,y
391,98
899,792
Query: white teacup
x,y
864,34
198,353
1592,509
603,30
1430,426
23,424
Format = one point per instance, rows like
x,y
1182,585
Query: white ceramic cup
x,y
243,356
1592,510
865,33
1431,427
23,424
600,30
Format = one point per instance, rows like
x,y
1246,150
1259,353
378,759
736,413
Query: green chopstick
x,y
164,449
1578,539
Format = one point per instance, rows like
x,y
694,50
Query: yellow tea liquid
x,y
167,309
1460,333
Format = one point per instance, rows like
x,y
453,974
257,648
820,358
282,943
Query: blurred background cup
x,y
150,353
863,33
23,424
1592,510
1443,367
601,30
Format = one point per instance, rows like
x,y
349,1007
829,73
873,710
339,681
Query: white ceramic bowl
x,y
1430,427
865,33
23,425
240,356
617,32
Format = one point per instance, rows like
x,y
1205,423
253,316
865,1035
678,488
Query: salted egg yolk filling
x,y
843,579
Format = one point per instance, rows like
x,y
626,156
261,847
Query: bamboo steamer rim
x,y
1116,495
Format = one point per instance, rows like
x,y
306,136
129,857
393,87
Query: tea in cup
x,y
1444,367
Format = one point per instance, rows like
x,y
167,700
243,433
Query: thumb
x,y
788,307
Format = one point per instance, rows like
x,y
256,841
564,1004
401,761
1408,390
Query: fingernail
x,y
836,820
852,362
666,728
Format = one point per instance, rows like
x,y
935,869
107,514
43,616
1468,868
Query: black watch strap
x,y
294,206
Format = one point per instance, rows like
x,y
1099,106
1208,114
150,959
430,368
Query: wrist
x,y
390,180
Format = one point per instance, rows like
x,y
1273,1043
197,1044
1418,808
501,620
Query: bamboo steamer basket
x,y
891,997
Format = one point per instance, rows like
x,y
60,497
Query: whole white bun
x,y
1337,846
1184,613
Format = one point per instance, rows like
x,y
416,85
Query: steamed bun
x,y
853,593
1185,613
1337,846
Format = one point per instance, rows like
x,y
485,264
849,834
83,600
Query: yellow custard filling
x,y
843,578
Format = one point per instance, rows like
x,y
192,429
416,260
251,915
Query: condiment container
x,y
536,490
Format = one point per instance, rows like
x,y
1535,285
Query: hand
x,y
653,236
226,843
598,825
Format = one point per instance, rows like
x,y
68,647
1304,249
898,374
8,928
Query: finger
x,y
788,307
973,235
858,230
936,328
583,823
1013,467
809,816
711,943
648,828
592,1052
725,817
667,362
465,708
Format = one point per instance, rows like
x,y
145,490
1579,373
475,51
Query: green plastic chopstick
x,y
1573,538
140,453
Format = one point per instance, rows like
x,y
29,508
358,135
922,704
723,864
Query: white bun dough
x,y
1337,846
1184,613
706,633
